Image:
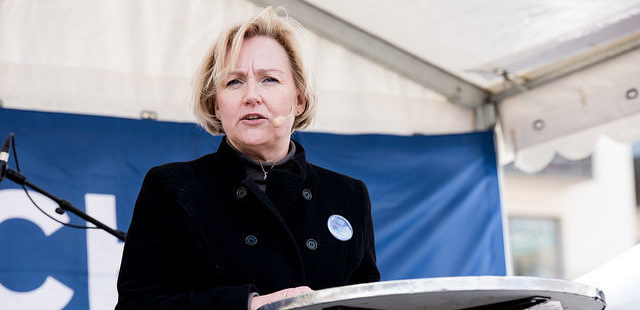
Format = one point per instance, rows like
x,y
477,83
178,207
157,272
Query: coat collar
x,y
234,164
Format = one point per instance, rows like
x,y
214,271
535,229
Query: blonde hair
x,y
272,23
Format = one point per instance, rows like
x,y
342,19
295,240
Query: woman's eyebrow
x,y
259,71
269,70
237,73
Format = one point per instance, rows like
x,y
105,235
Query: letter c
x,y
51,294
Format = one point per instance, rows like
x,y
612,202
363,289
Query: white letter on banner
x,y
104,253
51,294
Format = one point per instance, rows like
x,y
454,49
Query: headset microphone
x,y
279,120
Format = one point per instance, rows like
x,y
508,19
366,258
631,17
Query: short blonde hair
x,y
272,23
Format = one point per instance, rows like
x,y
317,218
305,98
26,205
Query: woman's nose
x,y
251,95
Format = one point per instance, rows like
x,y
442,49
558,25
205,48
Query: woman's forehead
x,y
261,54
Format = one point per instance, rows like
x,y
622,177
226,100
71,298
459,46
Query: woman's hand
x,y
259,301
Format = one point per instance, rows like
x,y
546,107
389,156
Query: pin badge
x,y
339,227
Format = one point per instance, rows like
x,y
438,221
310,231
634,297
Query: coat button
x,y
251,240
306,194
312,244
241,192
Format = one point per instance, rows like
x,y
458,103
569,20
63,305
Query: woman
x,y
254,222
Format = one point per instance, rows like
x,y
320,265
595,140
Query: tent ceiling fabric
x,y
581,58
455,89
472,38
118,58
541,66
121,57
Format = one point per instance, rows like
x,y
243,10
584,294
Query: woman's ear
x,y
301,105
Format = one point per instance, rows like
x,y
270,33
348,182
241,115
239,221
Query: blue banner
x,y
436,206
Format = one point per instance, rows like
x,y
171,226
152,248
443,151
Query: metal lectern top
x,y
451,294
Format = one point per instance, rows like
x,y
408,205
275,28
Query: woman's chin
x,y
258,138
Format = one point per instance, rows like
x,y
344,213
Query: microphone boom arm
x,y
64,205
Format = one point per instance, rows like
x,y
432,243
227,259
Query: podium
x,y
455,293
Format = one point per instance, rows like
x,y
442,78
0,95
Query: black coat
x,y
204,236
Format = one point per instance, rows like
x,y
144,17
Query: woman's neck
x,y
265,153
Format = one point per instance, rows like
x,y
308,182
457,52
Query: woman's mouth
x,y
253,118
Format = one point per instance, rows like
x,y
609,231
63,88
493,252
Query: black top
x,y
258,172
204,236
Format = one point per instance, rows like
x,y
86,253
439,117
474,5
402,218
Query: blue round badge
x,y
339,227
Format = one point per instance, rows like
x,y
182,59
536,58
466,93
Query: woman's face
x,y
258,90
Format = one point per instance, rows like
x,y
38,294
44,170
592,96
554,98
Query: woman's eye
x,y
233,82
270,79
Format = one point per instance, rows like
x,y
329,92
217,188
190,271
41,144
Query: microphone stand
x,y
64,205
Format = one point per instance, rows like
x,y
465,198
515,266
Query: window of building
x,y
535,247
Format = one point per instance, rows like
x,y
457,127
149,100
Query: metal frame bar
x,y
572,56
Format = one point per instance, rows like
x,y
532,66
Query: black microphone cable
x,y
15,158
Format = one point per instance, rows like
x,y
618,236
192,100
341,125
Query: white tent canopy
x,y
119,58
619,279
553,74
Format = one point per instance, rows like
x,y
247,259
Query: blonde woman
x,y
254,222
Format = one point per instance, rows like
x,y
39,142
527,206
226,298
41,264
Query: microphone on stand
x,y
4,157
18,178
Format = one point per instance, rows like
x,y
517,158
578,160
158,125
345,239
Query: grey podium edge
x,y
334,296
